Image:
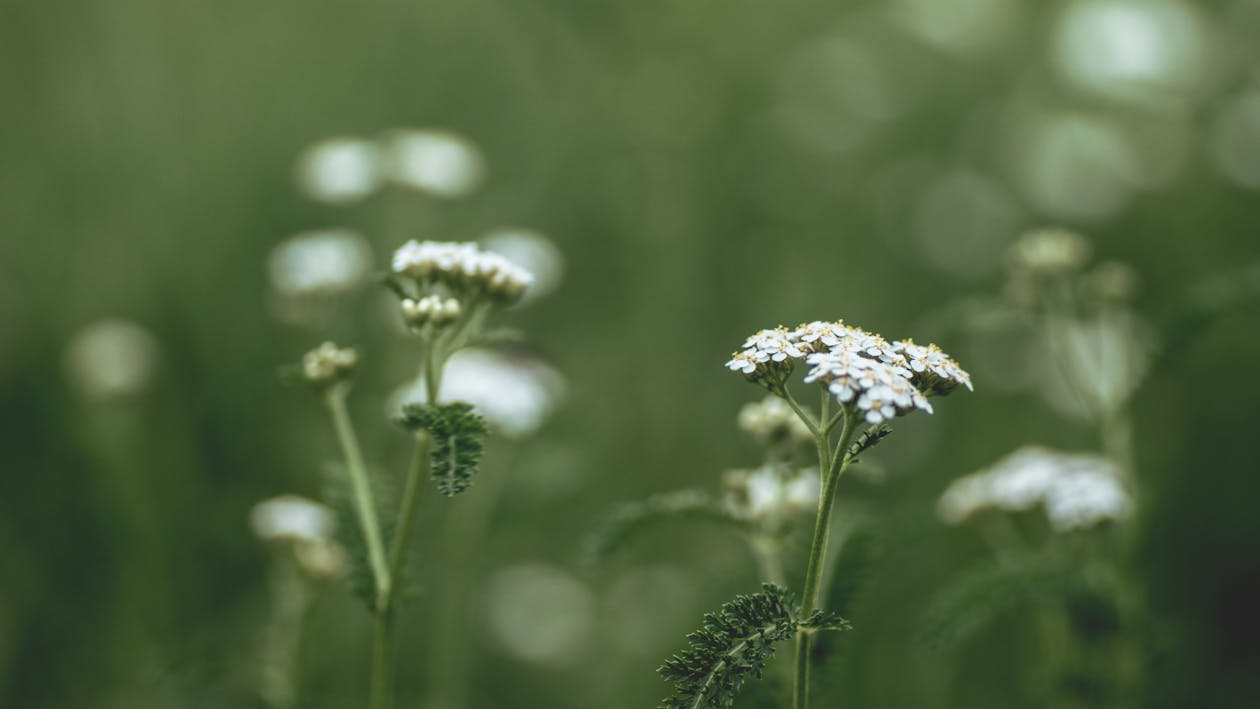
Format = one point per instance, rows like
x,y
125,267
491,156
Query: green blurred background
x,y
707,169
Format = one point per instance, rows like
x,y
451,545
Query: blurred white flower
x,y
328,363
440,163
531,251
1084,497
771,420
515,393
340,170
292,518
319,263
771,493
1132,50
540,613
1049,251
111,358
1077,490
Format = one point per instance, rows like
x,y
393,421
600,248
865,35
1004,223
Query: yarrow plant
x,y
446,291
1092,352
864,383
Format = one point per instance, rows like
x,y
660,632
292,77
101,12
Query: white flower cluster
x,y
430,309
328,363
348,169
463,268
769,493
1077,490
319,263
861,368
771,420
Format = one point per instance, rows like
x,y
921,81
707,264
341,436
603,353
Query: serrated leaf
x,y
825,620
458,437
731,646
619,526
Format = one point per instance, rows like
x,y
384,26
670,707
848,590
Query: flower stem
x,y
382,696
832,470
365,503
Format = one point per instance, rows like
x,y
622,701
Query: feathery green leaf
x,y
458,437
733,644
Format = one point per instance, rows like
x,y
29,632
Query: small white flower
x,y
774,345
440,163
820,335
462,267
745,362
292,518
933,370
328,362
340,170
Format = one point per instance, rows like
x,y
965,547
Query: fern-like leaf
x,y
733,645
632,517
824,620
458,436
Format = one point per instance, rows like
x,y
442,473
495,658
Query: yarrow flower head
x,y
767,357
328,364
861,369
462,269
1077,490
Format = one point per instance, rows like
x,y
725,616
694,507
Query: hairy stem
x,y
365,503
832,470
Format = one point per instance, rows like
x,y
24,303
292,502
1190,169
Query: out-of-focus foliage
x,y
705,168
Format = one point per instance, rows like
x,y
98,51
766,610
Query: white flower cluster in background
x,y
463,268
111,358
1077,490
319,263
431,309
307,527
1049,251
860,368
340,170
516,394
328,363
346,169
771,420
771,493
437,162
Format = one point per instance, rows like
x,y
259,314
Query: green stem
x,y
383,660
805,416
365,503
417,471
832,471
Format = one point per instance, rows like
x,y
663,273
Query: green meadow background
x,y
707,169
